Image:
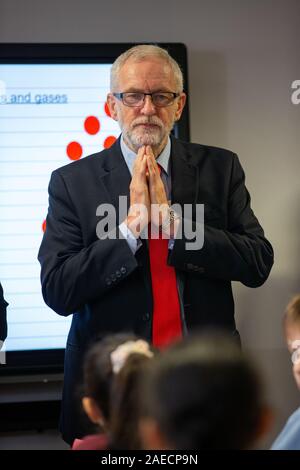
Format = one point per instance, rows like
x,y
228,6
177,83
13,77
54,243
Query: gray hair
x,y
144,51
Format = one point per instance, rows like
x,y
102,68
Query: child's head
x,y
111,371
292,334
202,394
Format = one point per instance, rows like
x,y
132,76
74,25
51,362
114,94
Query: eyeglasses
x,y
160,99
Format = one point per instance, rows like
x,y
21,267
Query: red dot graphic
x,y
74,150
106,109
109,141
92,125
44,226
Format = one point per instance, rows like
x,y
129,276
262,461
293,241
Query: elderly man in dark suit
x,y
159,288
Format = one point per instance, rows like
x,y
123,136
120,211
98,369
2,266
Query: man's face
x,y
146,124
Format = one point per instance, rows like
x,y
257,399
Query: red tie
x,y
166,323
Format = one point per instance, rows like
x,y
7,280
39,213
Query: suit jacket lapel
x,y
116,176
184,175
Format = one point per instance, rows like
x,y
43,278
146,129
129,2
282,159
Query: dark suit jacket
x,y
108,289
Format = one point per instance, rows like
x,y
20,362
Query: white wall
x,y
243,57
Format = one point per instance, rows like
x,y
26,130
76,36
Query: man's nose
x,y
148,107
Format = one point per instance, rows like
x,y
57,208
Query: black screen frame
x,y
51,360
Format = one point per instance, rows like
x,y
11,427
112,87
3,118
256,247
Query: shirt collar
x,y
163,158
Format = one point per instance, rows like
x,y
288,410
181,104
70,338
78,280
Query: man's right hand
x,y
139,211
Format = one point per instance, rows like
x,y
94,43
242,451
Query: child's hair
x,y
111,370
97,370
203,394
125,411
292,311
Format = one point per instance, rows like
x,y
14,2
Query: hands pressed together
x,y
148,199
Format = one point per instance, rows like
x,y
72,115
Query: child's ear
x,y
296,372
265,424
92,410
151,436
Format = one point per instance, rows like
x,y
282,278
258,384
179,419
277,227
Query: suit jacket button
x,y
118,273
190,266
108,281
146,316
113,277
123,270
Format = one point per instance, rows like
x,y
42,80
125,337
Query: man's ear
x,y
265,423
180,105
92,410
151,436
112,106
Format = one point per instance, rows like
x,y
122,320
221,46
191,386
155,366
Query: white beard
x,y
137,135
140,136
